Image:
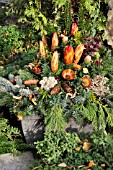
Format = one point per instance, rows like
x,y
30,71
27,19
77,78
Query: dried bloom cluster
x,y
48,82
99,85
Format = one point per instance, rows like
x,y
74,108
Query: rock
x,y
33,128
73,127
109,29
20,162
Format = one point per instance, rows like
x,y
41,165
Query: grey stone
x,y
33,128
20,162
73,127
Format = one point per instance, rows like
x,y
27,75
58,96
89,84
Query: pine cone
x,y
55,89
67,88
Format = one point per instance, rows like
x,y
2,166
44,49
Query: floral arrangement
x,y
63,75
67,74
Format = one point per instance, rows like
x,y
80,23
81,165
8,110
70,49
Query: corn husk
x,y
54,61
42,51
78,52
55,41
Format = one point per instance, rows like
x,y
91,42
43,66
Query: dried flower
x,y
68,74
99,85
48,82
74,28
86,81
85,70
68,55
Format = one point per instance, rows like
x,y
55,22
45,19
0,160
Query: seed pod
x,y
55,89
42,50
74,28
55,41
78,52
68,74
30,82
68,55
86,81
67,88
54,62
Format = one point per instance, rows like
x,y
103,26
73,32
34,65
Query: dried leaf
x,y
17,97
91,163
103,165
86,145
77,149
19,116
62,164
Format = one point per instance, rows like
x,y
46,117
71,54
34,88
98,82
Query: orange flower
x,y
55,41
78,52
54,62
42,49
74,28
86,82
68,74
68,55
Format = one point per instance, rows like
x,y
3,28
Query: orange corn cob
x,y
68,55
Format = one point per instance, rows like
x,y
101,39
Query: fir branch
x,y
54,119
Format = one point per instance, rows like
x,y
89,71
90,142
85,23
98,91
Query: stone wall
x,y
109,29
